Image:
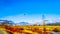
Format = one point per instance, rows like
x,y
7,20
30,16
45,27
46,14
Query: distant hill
x,y
55,24
23,23
6,21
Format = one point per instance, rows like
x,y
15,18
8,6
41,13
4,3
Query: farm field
x,y
29,29
39,27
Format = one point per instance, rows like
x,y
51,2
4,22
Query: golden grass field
x,y
39,27
30,29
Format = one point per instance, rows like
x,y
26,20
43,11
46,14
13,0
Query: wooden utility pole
x,y
44,24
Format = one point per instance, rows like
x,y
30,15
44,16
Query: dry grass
x,y
31,29
39,27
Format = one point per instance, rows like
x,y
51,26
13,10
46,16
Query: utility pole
x,y
24,16
44,24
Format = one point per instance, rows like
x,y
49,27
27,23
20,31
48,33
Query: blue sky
x,y
14,10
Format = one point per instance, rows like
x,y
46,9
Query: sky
x,y
30,10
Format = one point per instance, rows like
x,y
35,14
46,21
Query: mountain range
x,y
55,24
26,23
